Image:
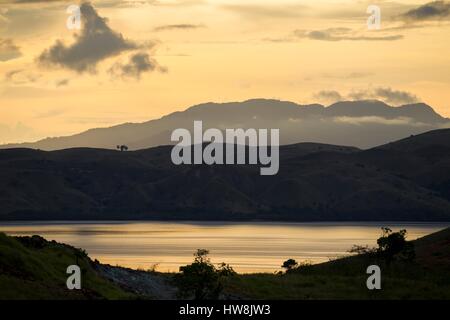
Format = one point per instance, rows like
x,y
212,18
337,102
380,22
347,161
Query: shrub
x,y
201,279
393,245
289,265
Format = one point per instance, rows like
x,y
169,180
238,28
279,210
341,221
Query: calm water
x,y
248,247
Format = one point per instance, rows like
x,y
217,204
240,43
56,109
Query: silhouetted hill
x,y
405,180
363,124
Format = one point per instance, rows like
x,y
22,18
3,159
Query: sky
x,y
133,61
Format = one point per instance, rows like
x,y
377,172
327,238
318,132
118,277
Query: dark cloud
x,y
328,96
340,34
96,42
138,63
395,96
386,94
8,50
178,27
437,10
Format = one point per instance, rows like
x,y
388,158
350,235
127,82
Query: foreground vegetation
x,y
409,270
33,268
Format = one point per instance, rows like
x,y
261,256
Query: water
x,y
248,247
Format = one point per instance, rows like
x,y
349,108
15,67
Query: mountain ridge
x,y
363,124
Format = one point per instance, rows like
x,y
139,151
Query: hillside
x,y
424,278
405,180
363,124
33,268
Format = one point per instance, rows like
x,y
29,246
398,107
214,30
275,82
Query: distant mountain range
x,y
363,124
407,180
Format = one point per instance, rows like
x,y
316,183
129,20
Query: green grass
x,y
330,286
33,268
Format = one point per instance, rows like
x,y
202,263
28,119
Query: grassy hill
x,y
345,278
33,268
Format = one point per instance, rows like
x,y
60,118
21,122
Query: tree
x,y
290,264
393,245
122,147
201,279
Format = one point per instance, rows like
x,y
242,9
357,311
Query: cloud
x,y
10,74
3,19
62,82
21,76
34,1
387,94
96,42
340,34
31,1
185,26
328,96
437,10
346,76
357,75
8,50
395,96
49,114
138,63
376,120
267,11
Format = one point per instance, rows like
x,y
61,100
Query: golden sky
x,y
161,56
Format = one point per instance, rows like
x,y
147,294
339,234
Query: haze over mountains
x,y
363,124
407,180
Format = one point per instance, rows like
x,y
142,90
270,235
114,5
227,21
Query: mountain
x,y
407,180
363,124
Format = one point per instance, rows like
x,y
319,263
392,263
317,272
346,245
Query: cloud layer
x,y
386,94
340,34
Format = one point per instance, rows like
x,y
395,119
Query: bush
x,y
202,280
393,246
